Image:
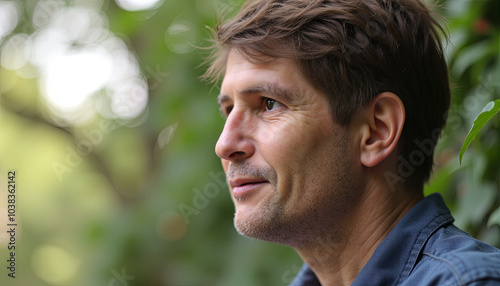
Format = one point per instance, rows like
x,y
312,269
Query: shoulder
x,y
452,257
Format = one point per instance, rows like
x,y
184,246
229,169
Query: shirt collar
x,y
397,255
399,251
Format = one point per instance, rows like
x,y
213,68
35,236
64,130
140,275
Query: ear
x,y
383,122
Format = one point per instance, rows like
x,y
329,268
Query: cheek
x,y
287,147
278,143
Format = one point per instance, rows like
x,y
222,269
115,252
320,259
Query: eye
x,y
224,111
272,104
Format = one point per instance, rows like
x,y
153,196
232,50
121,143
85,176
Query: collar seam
x,y
420,241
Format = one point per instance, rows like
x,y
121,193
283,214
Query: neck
x,y
339,254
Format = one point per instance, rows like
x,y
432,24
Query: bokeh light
x,y
138,5
54,265
13,55
9,17
79,61
180,37
70,78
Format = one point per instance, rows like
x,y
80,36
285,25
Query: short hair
x,y
353,50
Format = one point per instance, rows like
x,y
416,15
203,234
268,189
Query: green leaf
x,y
494,218
482,118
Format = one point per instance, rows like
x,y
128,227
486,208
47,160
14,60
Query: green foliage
x,y
494,218
482,118
470,181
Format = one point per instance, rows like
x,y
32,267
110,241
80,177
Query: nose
x,y
235,141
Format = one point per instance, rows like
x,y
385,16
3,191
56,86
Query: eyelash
x,y
266,101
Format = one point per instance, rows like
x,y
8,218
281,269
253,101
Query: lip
x,y
244,186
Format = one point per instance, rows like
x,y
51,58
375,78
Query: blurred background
x,y
111,134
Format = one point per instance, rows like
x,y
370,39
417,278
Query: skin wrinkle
x,y
277,220
354,48
274,90
320,194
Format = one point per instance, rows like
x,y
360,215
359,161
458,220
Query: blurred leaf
x,y
473,206
165,136
470,56
494,218
442,179
486,114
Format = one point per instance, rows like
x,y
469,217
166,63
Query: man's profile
x,y
333,109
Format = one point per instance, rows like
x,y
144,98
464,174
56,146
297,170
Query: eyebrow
x,y
275,90
223,98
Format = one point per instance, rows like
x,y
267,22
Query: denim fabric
x,y
425,248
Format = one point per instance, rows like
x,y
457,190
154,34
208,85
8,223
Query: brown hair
x,y
353,51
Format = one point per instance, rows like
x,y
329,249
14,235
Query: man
x,y
333,109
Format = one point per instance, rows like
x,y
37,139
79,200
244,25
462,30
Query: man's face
x,y
289,166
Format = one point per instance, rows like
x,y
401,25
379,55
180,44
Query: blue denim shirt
x,y
425,248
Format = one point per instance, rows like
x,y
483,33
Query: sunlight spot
x,y
44,10
9,17
72,77
138,5
47,45
129,98
83,69
13,55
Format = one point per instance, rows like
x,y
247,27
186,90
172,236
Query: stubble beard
x,y
294,228
268,224
275,222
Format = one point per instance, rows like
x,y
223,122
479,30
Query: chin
x,y
264,224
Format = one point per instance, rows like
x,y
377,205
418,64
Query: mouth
x,y
244,187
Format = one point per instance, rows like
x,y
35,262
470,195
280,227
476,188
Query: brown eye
x,y
271,104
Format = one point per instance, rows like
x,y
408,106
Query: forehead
x,y
243,73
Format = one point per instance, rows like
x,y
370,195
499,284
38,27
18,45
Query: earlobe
x,y
384,120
